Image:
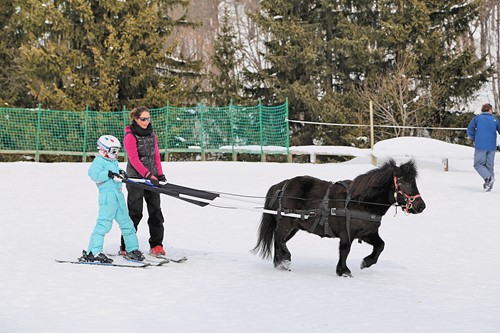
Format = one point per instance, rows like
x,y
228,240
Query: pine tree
x,y
322,53
12,84
294,54
225,83
100,54
442,71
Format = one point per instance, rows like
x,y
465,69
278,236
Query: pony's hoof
x,y
284,265
366,264
344,274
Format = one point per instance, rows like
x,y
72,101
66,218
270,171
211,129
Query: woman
x,y
144,161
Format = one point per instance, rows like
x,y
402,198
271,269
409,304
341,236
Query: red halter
x,y
408,198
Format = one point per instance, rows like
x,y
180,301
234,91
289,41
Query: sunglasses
x,y
144,118
114,150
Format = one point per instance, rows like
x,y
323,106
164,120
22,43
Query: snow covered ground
x,y
439,272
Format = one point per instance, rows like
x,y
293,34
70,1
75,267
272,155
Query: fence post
x,y
200,106
125,116
262,156
231,123
85,122
287,135
372,136
166,132
37,148
445,164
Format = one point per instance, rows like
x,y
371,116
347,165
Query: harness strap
x,y
324,213
279,196
278,193
347,212
356,214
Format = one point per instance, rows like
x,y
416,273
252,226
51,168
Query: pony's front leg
x,y
344,249
378,246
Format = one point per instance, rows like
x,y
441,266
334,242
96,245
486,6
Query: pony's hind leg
x,y
378,246
282,256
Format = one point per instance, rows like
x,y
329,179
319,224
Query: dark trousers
x,y
135,201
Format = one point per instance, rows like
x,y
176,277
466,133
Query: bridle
x,y
407,198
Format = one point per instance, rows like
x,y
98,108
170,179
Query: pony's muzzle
x,y
418,206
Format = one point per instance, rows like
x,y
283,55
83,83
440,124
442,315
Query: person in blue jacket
x,y
105,172
482,130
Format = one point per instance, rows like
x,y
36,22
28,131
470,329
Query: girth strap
x,y
348,213
279,196
323,214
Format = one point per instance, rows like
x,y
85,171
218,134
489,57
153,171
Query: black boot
x,y
89,257
135,255
102,258
86,257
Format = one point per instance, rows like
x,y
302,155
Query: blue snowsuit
x,y
483,130
112,206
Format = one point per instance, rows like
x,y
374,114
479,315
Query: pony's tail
x,y
267,226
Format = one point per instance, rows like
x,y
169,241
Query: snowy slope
x,y
439,272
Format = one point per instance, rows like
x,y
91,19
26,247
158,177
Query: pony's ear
x,y
409,169
397,171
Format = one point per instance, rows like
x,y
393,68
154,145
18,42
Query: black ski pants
x,y
135,202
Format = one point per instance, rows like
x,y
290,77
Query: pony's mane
x,y
375,181
369,184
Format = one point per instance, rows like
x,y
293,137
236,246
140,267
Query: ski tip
x,y
180,260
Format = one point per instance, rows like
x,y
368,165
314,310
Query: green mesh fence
x,y
200,129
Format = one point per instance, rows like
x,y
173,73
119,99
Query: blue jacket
x,y
483,130
98,172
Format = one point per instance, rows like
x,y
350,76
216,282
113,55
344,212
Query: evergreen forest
x,y
415,62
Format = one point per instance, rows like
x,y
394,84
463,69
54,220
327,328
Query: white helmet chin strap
x,y
106,154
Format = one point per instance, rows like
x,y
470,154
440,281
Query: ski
x,y
154,261
176,260
149,261
98,263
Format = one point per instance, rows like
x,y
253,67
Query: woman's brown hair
x,y
136,112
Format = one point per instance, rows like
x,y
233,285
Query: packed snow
x,y
439,271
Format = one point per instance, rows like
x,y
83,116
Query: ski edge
x,y
96,263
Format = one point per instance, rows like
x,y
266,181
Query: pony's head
x,y
406,192
389,184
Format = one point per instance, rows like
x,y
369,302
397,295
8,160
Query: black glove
x,y
155,182
123,174
112,174
162,178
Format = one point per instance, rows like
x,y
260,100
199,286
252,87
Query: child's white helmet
x,y
108,146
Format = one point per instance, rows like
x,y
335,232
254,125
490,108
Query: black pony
x,y
347,209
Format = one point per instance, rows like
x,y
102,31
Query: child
x,y
112,204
